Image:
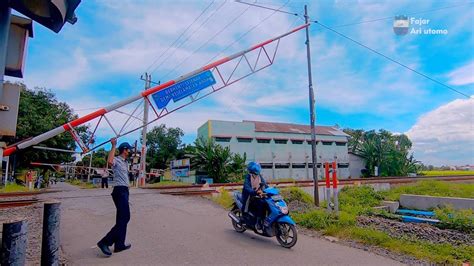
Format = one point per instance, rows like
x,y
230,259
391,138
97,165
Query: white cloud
x,y
347,78
463,75
65,73
446,134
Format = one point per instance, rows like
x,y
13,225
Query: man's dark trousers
x,y
105,182
119,231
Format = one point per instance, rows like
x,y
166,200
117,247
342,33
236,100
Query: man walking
x,y
120,194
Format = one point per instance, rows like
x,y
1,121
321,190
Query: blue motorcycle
x,y
276,222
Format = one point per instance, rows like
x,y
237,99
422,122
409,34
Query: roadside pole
x,y
312,112
90,168
142,172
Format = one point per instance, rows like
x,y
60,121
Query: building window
x,y
263,140
282,165
340,143
309,142
310,165
295,141
222,139
280,141
345,165
327,143
266,165
298,165
246,140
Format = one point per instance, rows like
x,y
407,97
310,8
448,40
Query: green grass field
x,y
447,172
81,184
13,188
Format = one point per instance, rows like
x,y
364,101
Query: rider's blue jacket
x,y
248,191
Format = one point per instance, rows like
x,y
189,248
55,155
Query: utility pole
x,y
142,172
90,168
312,113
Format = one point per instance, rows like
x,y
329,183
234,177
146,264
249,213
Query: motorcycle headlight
x,y
284,209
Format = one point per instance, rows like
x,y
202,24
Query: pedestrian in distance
x,y
105,177
120,194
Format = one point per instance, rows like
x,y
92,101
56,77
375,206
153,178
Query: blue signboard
x,y
184,88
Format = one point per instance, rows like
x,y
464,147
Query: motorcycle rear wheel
x,y
286,234
238,227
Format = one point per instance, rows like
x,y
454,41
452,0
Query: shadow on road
x,y
251,239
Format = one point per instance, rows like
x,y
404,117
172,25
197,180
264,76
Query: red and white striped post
x,y
328,185
334,186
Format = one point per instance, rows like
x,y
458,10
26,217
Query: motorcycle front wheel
x,y
238,226
286,235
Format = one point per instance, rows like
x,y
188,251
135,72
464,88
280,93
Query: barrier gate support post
x,y
328,186
50,241
14,238
334,187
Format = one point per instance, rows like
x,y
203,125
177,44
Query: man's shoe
x,y
105,249
119,249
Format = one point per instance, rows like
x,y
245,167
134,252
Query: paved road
x,y
170,230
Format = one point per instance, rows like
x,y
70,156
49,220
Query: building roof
x,y
295,129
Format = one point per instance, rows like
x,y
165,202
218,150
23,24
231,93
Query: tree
x,y
185,151
218,162
163,145
355,139
40,111
238,167
389,152
99,158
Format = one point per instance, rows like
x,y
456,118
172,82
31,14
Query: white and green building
x,y
283,150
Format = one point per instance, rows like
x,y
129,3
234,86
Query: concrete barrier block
x,y
392,205
422,202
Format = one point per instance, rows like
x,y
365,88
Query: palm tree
x,y
213,159
389,152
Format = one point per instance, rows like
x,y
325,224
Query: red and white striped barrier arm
x,y
82,120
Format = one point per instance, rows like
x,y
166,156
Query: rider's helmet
x,y
254,168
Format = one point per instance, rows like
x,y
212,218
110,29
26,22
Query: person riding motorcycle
x,y
253,185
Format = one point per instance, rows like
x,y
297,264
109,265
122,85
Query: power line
x,y
179,37
210,39
269,8
191,35
391,59
247,32
392,17
374,51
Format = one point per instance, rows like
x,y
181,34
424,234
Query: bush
x,y
462,220
296,194
224,199
359,200
320,219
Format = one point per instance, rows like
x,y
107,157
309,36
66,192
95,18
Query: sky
x,y
99,61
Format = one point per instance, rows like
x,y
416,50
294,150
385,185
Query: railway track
x,y
199,190
25,194
17,203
